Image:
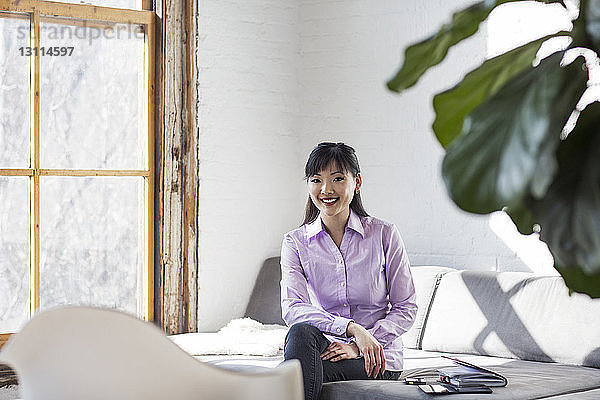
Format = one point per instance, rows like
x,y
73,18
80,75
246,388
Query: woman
x,y
346,289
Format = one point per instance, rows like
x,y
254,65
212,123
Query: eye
x,y
315,180
338,179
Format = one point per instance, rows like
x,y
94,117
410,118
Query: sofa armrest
x,y
426,280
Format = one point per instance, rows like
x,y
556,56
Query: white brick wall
x,y
348,50
278,77
250,188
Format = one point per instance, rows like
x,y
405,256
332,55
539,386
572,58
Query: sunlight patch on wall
x,y
512,25
529,248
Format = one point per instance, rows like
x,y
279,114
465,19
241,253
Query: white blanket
x,y
242,336
9,393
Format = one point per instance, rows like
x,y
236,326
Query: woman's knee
x,y
303,329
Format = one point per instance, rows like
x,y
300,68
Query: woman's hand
x,y
340,351
371,349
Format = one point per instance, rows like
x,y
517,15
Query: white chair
x,y
79,353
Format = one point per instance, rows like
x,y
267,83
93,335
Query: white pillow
x,y
243,336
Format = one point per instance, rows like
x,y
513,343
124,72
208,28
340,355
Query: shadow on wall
x,y
528,248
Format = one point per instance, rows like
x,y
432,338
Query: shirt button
x,y
341,261
343,283
339,330
345,305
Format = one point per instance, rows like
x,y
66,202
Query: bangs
x,y
344,159
323,157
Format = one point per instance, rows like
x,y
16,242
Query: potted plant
x,y
507,145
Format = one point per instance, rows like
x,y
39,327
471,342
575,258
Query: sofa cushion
x,y
516,315
426,280
578,395
265,302
526,380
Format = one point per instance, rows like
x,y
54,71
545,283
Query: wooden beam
x,y
93,172
4,338
150,196
16,172
84,23
81,11
10,15
74,172
191,180
177,196
159,118
34,218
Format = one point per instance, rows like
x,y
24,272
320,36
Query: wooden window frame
x,y
176,266
101,15
173,151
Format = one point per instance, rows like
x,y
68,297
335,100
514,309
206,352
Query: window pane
x,y
131,4
14,93
92,242
14,252
91,102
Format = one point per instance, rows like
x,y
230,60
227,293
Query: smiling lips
x,y
330,200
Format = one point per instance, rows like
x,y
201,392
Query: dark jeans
x,y
306,343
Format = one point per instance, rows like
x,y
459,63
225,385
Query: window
x,y
76,157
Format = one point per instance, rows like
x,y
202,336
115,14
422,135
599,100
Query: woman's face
x,y
332,190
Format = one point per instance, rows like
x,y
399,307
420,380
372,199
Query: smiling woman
x,y
334,165
346,287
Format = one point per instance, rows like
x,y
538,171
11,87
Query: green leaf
x,y
569,214
578,281
522,217
509,140
453,105
421,56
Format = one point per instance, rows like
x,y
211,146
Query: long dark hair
x,y
345,159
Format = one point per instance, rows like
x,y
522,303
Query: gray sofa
x,y
523,326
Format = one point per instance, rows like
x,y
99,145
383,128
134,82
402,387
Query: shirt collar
x,y
317,226
355,223
314,228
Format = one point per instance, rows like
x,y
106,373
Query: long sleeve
x,y
295,300
400,288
